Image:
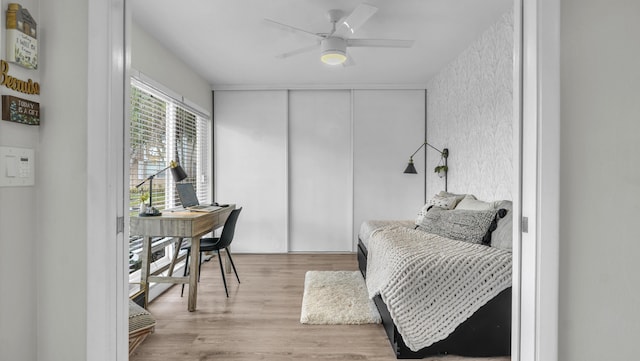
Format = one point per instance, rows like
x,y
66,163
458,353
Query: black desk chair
x,y
216,244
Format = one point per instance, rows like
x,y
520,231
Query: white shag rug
x,y
337,298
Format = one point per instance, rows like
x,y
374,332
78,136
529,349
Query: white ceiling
x,y
228,42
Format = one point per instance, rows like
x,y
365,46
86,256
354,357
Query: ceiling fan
x,y
333,45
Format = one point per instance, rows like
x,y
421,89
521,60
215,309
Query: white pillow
x,y
436,201
502,237
469,202
446,202
459,197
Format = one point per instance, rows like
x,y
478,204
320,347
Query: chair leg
x,y
186,269
232,264
200,267
222,271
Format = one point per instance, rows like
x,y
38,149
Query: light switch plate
x,y
16,167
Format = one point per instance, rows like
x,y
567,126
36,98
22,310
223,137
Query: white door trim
x,y
106,301
517,169
536,313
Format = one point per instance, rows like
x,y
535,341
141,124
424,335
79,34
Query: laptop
x,y
189,199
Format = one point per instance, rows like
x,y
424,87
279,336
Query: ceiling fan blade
x,y
349,25
291,29
298,51
380,43
349,61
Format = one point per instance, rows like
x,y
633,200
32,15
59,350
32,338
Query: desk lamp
x,y
178,175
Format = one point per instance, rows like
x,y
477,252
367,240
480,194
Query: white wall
x,y
19,244
470,111
388,128
151,58
61,183
599,317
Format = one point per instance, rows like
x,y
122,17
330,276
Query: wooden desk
x,y
180,224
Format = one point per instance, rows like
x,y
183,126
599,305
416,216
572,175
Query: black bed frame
x,y
486,333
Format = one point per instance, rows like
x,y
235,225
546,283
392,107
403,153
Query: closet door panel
x,y
250,145
389,125
320,176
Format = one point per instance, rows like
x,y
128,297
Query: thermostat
x,y
16,167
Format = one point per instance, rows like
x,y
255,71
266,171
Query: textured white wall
x,y
470,111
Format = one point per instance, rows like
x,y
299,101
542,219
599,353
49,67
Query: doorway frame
x,y
536,271
536,250
107,274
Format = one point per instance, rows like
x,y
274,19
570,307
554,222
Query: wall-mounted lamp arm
x,y
411,169
444,152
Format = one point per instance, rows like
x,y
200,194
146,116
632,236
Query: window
x,y
163,129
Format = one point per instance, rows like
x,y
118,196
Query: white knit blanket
x,y
431,284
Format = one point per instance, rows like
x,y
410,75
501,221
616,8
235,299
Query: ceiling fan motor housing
x,y
334,50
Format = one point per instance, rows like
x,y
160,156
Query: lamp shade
x,y
411,169
177,172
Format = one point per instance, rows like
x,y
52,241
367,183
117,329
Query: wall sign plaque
x,y
22,37
20,110
13,83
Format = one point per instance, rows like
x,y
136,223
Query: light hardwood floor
x,y
261,318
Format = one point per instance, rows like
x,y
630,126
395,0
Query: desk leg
x,y
193,273
176,250
146,268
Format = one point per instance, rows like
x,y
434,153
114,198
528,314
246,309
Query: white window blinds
x,y
164,129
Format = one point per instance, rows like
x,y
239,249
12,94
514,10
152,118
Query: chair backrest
x,y
229,228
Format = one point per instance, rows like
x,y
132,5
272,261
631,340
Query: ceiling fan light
x,y
334,51
333,57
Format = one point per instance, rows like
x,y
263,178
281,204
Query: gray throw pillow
x,y
502,237
459,224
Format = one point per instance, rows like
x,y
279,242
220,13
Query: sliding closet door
x,y
388,128
250,145
320,177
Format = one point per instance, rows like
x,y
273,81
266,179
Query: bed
x,y
436,294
